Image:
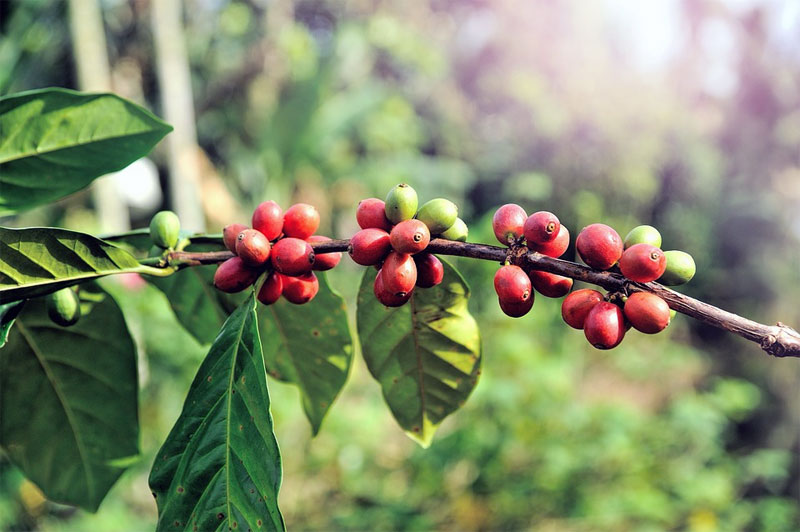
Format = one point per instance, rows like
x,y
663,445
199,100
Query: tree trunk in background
x,y
91,60
178,106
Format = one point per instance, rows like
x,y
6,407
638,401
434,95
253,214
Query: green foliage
x,y
57,141
310,346
220,465
68,399
8,313
426,354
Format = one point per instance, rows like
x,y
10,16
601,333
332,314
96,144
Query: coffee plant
x,y
66,348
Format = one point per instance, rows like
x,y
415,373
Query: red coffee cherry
x,y
541,227
371,212
647,312
229,234
508,222
399,273
386,297
369,246
599,246
300,289
513,287
233,275
300,220
554,248
292,256
515,309
549,284
410,236
323,261
268,218
430,270
252,247
604,326
272,289
576,306
642,263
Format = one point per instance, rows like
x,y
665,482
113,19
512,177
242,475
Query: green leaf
x,y
426,354
68,399
220,467
54,142
310,346
8,313
39,260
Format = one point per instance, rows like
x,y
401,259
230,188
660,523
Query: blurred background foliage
x,y
683,114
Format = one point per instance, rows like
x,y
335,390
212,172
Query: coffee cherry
x,y
386,297
300,289
513,287
292,256
234,275
63,307
457,232
643,234
272,288
680,268
252,247
323,261
604,326
229,234
371,212
642,263
541,227
300,220
369,246
647,312
555,248
430,270
268,218
508,222
410,236
599,246
165,229
515,309
576,306
438,214
549,284
399,273
401,203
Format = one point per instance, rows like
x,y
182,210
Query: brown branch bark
x,y
778,340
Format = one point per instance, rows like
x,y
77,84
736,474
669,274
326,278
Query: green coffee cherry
x,y
458,231
672,314
155,251
63,307
643,234
401,203
164,229
438,214
680,268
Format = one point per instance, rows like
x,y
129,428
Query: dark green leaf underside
x,y
426,354
310,346
54,142
220,468
68,399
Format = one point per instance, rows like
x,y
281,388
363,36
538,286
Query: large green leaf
x,y
54,142
40,260
220,468
68,399
426,354
309,345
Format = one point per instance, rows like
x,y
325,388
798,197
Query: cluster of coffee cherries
x,y
393,237
605,318
278,248
541,231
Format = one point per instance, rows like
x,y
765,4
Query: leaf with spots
x,y
68,399
426,354
310,346
220,468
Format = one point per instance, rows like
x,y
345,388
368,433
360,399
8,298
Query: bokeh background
x,y
683,114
